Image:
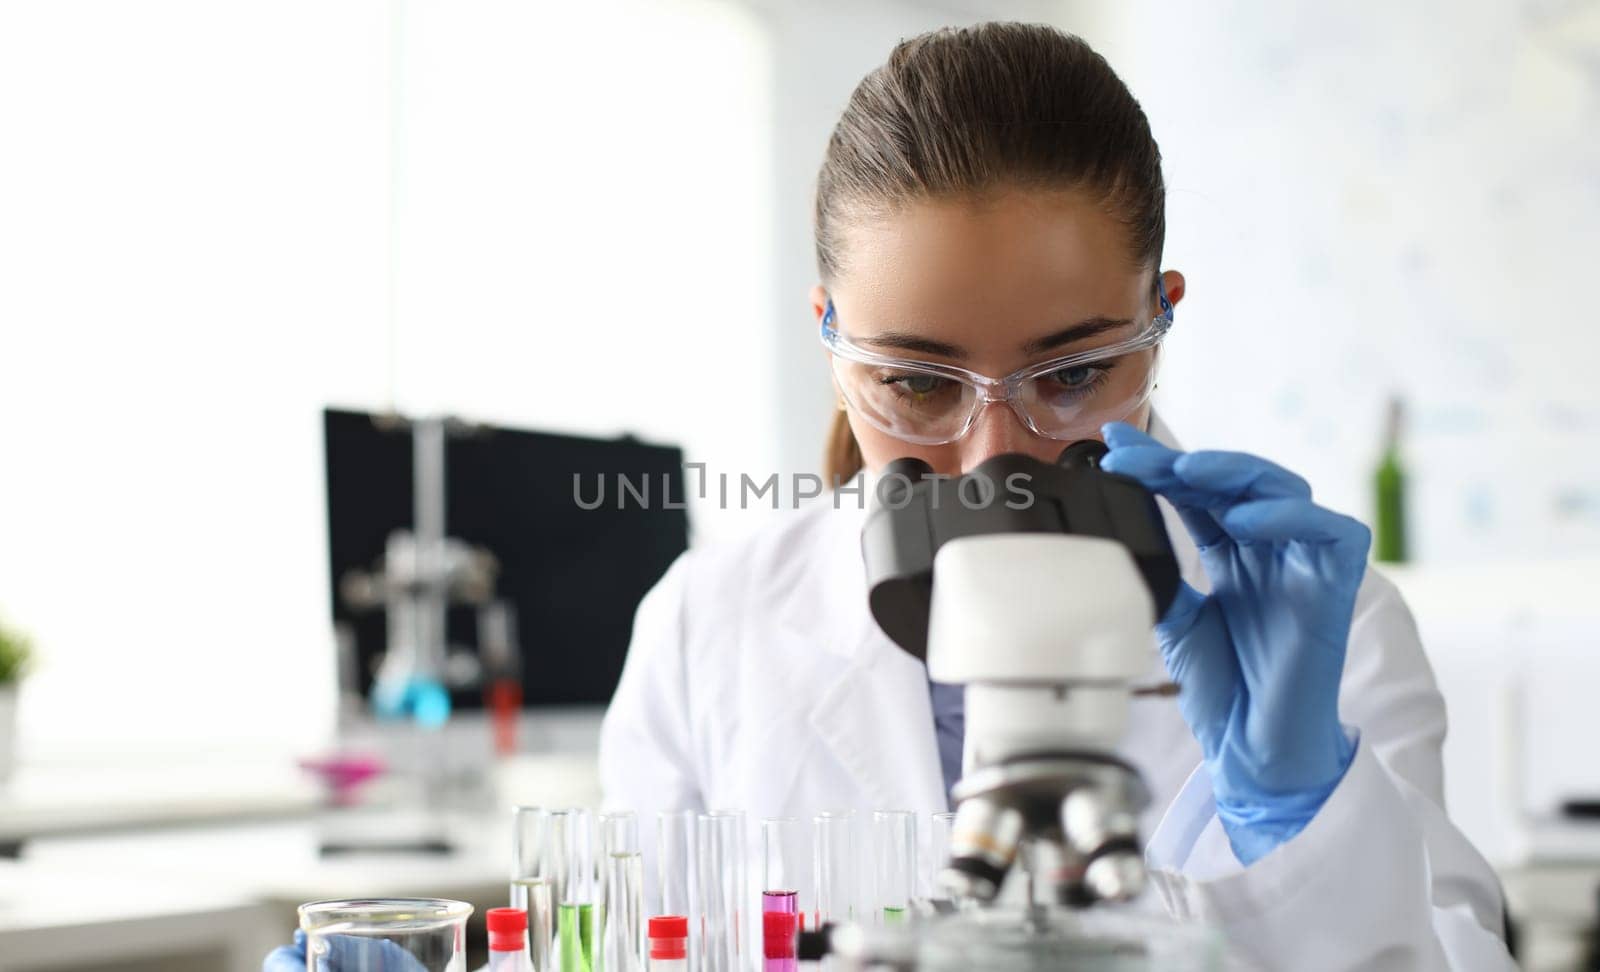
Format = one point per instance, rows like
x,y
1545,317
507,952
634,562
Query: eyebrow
x,y
1081,331
906,341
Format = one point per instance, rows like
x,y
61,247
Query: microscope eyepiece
x,y
900,478
1083,455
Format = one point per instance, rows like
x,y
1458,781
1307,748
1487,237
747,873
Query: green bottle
x,y
1389,493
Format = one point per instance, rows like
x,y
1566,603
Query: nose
x,y
996,431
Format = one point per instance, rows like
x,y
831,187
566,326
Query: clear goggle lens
x,y
933,407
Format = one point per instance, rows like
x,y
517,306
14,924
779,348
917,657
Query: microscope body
x,y
1040,598
1050,635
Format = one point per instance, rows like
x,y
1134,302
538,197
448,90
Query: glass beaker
x,y
388,934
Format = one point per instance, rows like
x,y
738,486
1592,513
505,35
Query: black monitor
x,y
574,575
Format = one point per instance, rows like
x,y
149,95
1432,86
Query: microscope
x,y
422,574
1037,587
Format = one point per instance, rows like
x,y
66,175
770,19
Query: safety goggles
x,y
1069,397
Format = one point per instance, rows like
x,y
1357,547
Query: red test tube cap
x,y
508,929
669,937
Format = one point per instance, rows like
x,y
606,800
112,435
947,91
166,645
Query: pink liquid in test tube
x,y
780,923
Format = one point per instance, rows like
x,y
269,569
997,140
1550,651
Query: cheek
x,y
1140,419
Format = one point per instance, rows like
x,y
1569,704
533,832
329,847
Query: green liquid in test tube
x,y
577,914
576,923
894,838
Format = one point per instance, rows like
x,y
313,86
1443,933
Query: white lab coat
x,y
757,679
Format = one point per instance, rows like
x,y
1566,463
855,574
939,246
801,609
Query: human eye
x,y
917,386
1074,381
1076,376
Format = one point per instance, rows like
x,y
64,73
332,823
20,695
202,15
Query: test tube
x,y
532,880
937,855
675,879
616,832
675,861
894,840
624,913
575,915
834,862
558,847
782,869
719,845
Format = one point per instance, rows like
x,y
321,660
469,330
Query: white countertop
x,y
53,800
120,863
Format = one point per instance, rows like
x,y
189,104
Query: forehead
x,y
1035,260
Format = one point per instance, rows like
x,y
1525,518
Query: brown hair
x,y
961,111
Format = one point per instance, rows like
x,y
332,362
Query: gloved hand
x,y
346,953
1258,660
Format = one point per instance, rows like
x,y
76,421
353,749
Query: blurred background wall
x,y
216,218
1377,199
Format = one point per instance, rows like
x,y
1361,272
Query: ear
x,y
819,307
819,301
1172,282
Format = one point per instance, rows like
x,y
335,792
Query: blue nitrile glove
x,y
287,958
346,953
1259,659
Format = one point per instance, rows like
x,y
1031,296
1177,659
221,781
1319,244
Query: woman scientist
x,y
991,204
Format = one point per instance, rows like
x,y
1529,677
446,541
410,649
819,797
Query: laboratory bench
x,y
220,896
182,870
76,798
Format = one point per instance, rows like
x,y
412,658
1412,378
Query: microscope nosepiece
x,y
1116,876
983,844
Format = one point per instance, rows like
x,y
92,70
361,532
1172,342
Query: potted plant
x,y
15,656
